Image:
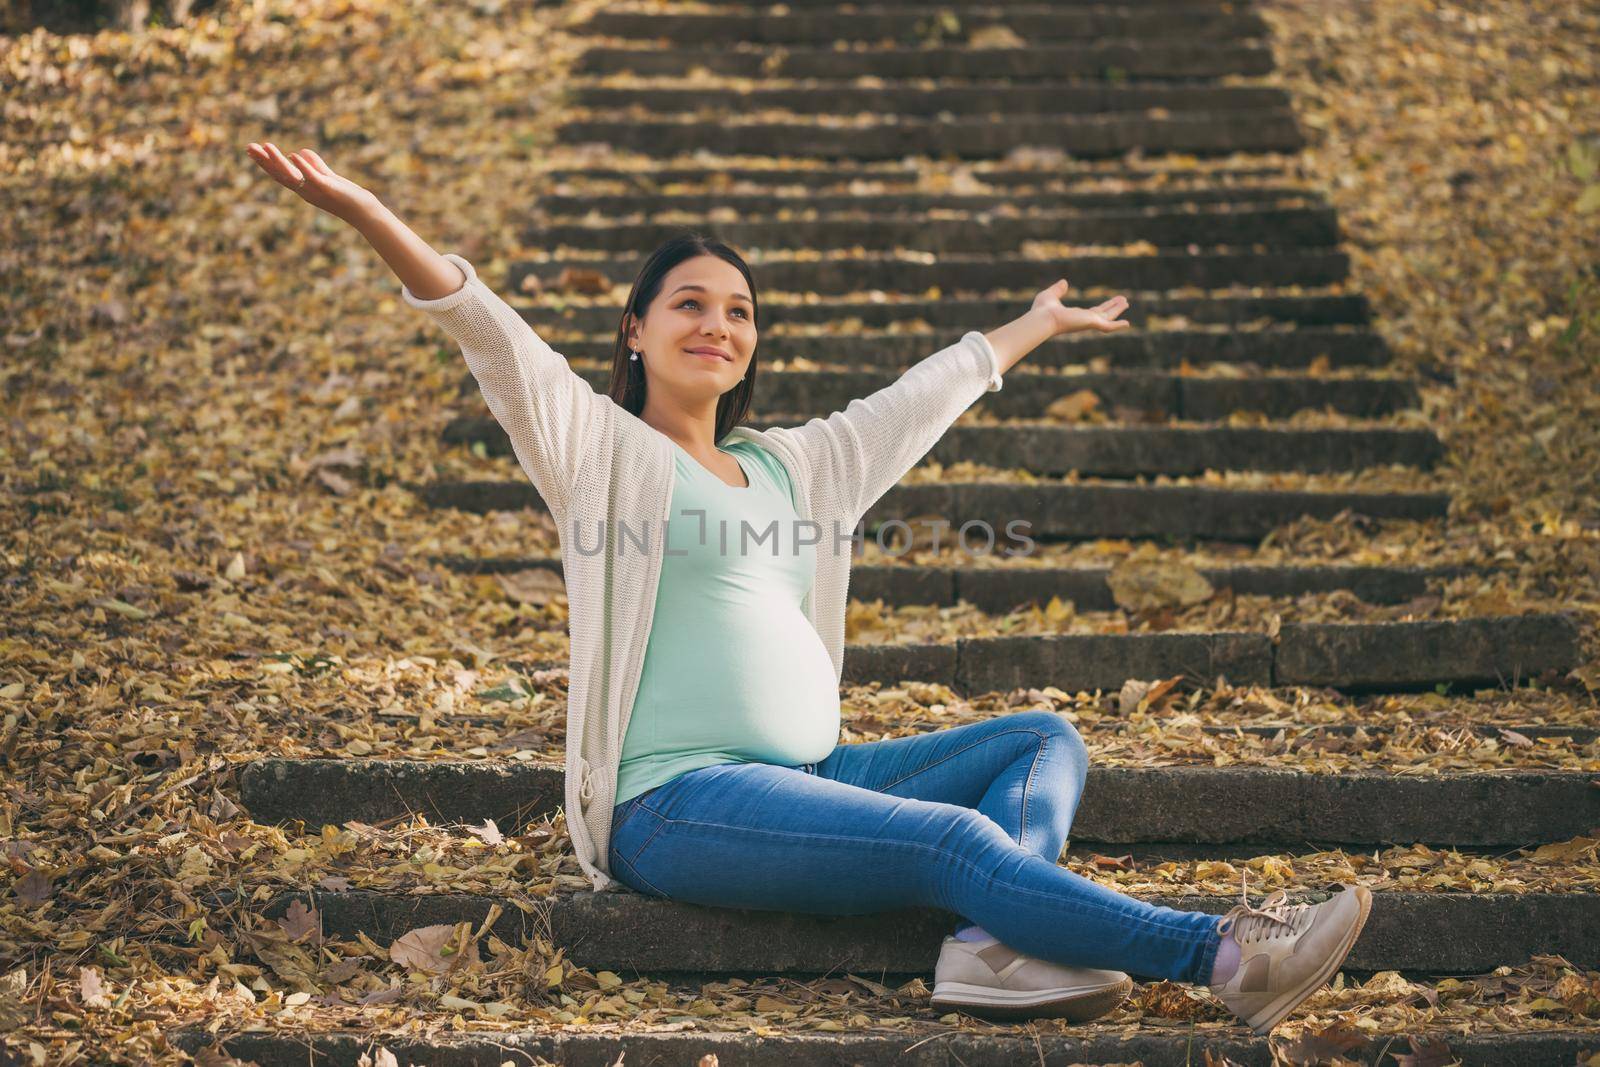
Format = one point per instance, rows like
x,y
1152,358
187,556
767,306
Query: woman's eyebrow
x,y
681,288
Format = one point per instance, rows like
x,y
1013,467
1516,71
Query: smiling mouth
x,y
709,355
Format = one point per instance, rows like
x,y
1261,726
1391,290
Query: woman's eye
x,y
686,303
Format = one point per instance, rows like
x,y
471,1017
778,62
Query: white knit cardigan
x,y
603,472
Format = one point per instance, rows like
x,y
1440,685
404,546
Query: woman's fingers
x,y
267,162
299,160
288,168
316,161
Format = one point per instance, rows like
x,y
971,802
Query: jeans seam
x,y
661,824
1188,936
952,755
635,872
617,824
1027,789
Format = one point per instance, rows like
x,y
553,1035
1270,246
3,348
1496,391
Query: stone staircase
x,y
1242,327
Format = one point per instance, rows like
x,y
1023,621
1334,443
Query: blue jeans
x,y
971,820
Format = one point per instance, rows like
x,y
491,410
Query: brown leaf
x,y
347,456
221,808
217,1056
533,586
488,833
1327,1046
342,971
33,888
1112,863
336,484
91,989
300,923
1149,584
191,581
579,280
381,1057
1137,695
1425,1054
1133,691
427,948
1072,407
289,962
1169,1000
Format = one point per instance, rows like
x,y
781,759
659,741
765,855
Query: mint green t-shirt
x,y
734,672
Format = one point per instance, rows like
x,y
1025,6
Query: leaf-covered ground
x,y
214,395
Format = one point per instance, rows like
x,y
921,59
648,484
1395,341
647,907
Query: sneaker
x,y
992,980
1288,951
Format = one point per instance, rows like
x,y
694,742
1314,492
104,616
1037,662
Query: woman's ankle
x,y
1226,961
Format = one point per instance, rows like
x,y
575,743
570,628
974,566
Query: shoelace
x,y
1263,921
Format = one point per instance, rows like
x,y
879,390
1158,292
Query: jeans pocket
x,y
628,845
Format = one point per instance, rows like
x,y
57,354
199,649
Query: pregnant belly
x,y
767,694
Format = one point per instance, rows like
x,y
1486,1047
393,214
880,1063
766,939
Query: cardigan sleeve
x,y
862,451
546,408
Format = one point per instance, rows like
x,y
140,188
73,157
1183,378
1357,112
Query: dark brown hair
x,y
628,385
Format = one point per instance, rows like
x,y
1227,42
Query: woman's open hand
x,y
314,181
1102,317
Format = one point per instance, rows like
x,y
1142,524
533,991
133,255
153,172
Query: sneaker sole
x,y
1279,1009
1078,1006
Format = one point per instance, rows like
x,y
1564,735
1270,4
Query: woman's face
x,y
704,303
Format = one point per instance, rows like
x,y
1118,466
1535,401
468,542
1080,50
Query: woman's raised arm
x,y
422,270
547,410
865,449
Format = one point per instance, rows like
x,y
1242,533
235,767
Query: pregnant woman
x,y
706,567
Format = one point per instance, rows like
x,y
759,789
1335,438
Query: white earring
x,y
635,355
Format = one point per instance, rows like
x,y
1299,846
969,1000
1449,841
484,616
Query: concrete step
x,y
1435,933
1205,133
873,198
513,735
1338,323
1128,396
1268,809
1250,329
1349,657
696,178
912,25
1050,512
1109,59
928,1045
1353,658
1256,226
1119,451
980,97
999,590
1071,7
1170,269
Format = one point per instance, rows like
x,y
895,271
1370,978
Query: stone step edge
x,y
1173,805
1294,731
855,169
1115,45
1123,450
1213,512
1088,194
1384,656
998,589
1169,1046
1435,933
797,120
1277,206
